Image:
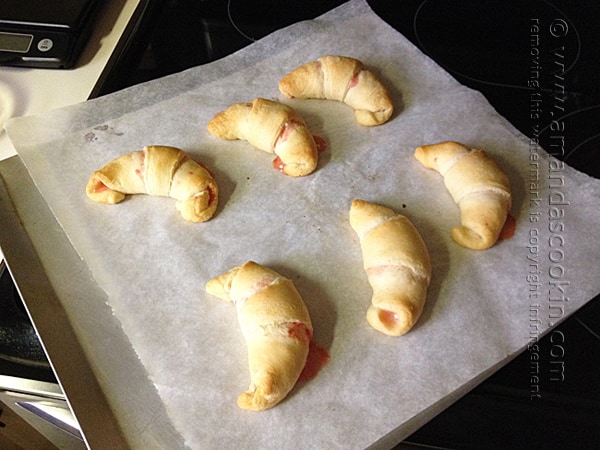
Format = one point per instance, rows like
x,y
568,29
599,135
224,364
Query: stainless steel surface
x,y
54,412
31,387
43,406
52,324
101,382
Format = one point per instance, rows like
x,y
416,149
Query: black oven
x,y
486,45
21,353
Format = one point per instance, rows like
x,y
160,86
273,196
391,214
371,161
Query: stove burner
x,y
501,33
533,62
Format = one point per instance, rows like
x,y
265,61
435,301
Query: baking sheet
x,y
482,307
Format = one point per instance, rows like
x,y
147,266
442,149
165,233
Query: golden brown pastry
x,y
157,170
397,264
343,79
272,127
477,184
276,326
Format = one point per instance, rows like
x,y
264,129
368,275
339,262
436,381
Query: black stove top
x,y
21,354
535,62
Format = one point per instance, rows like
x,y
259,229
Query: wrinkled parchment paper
x,y
482,307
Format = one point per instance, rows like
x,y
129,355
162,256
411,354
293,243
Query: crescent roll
x,y
272,127
343,79
276,326
158,170
397,264
477,184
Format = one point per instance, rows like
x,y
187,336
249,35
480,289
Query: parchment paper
x,y
482,308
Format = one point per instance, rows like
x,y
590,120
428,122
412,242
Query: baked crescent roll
x,y
276,326
479,187
397,264
343,79
157,170
272,127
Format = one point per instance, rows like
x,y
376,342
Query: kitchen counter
x,y
31,91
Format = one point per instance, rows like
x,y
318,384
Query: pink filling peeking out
x,y
289,126
317,358
509,228
100,187
142,168
278,164
387,318
380,269
299,330
353,81
321,143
